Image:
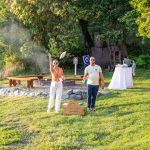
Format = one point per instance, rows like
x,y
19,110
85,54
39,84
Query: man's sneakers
x,y
88,109
91,109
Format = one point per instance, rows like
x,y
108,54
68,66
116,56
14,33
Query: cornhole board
x,y
73,108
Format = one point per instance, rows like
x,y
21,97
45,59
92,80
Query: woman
x,y
56,85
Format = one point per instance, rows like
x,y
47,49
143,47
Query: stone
x,y
15,89
16,92
37,94
4,92
31,94
26,94
72,96
69,91
45,94
78,97
77,91
22,93
65,95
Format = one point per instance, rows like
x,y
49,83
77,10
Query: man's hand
x,y
102,85
102,80
85,76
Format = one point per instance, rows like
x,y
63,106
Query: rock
x,y
26,94
16,92
65,95
77,91
72,96
22,93
32,94
76,94
78,97
45,94
69,91
37,94
11,94
4,92
15,89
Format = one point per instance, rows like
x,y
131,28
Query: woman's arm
x,y
62,74
50,62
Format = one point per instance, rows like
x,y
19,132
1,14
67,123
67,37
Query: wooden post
x,y
10,82
31,84
14,82
19,82
28,83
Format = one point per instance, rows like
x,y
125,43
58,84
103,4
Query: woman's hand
x,y
63,77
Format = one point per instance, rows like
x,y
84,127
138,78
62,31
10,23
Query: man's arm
x,y
85,74
102,80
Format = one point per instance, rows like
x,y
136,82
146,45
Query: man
x,y
93,74
126,61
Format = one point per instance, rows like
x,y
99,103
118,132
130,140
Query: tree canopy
x,y
143,19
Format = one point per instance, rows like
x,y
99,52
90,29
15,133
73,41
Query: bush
x,y
143,61
11,64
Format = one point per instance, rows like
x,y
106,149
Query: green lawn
x,y
122,121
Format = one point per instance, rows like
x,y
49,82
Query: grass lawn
x,y
122,121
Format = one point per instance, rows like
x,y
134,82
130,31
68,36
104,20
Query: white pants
x,y
55,90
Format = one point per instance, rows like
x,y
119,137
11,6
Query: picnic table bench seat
x,y
38,76
13,81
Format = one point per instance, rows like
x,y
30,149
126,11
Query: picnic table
x,y
13,81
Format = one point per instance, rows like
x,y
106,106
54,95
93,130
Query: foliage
x,y
11,64
121,121
70,26
3,11
143,20
143,61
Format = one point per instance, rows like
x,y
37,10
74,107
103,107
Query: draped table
x,y
122,78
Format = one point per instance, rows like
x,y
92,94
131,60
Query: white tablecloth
x,y
122,78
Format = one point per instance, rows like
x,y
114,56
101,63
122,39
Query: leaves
x,y
143,19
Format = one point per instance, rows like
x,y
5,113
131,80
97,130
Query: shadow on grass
x,y
108,96
111,110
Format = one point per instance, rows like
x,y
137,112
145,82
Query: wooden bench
x,y
38,76
13,81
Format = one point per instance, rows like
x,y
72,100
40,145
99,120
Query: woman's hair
x,y
55,60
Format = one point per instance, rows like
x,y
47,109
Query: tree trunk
x,y
122,45
123,49
88,42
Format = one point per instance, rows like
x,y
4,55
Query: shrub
x,y
12,64
143,61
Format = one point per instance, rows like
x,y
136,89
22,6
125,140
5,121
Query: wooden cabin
x,y
106,57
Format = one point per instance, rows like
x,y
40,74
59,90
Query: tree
x,y
143,19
